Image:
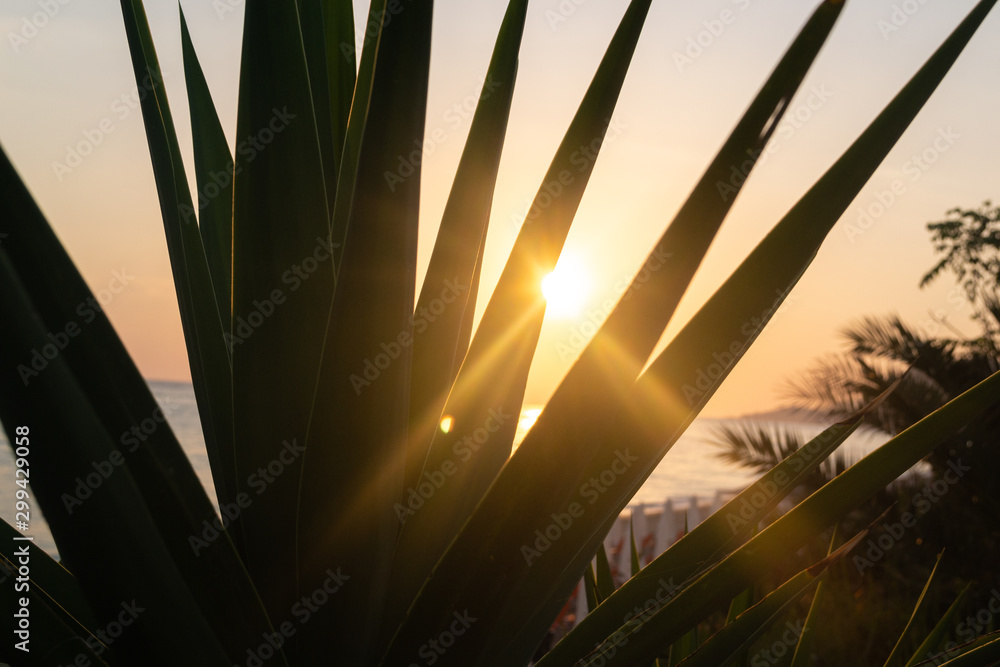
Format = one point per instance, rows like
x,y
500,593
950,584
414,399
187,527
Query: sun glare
x,y
446,424
565,289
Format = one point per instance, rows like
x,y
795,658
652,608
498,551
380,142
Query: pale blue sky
x,y
70,77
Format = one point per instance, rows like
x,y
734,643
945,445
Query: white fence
x,y
656,527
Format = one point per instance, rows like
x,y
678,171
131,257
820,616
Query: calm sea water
x,y
690,468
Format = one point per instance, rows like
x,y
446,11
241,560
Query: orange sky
x,y
64,84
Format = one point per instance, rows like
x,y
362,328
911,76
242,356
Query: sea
x,y
691,471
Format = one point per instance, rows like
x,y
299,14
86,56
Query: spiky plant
x,y
377,538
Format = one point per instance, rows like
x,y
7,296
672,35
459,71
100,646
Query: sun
x,y
566,288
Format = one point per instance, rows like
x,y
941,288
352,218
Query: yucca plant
x,y
370,510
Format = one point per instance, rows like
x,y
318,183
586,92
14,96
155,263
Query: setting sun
x,y
565,289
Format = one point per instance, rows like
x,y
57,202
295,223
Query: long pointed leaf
x,y
341,69
740,604
939,631
493,375
776,542
712,539
597,385
437,348
685,375
737,636
313,25
356,122
49,579
356,443
112,528
447,301
282,288
172,496
605,581
54,639
489,390
986,654
214,170
895,658
803,647
213,165
203,329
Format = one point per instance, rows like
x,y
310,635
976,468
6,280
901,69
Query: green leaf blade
x,y
282,288
710,540
356,443
489,388
214,171
163,498
775,543
213,164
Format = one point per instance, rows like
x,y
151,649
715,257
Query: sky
x,y
66,83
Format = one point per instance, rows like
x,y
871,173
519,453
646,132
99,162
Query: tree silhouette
x,y
970,242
